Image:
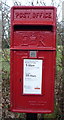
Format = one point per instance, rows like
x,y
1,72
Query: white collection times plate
x,y
32,76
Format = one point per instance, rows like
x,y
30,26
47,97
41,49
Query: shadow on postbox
x,y
32,59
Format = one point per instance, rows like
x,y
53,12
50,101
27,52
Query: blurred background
x,y
5,6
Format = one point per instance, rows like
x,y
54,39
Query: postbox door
x,y
25,102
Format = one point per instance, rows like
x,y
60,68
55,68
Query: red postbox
x,y
33,57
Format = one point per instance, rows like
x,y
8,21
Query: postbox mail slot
x,y
30,37
33,27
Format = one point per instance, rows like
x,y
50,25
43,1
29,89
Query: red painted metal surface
x,y
32,29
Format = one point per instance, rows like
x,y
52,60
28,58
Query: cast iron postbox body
x,y
32,59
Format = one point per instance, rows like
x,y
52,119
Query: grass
x,y
5,63
59,58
